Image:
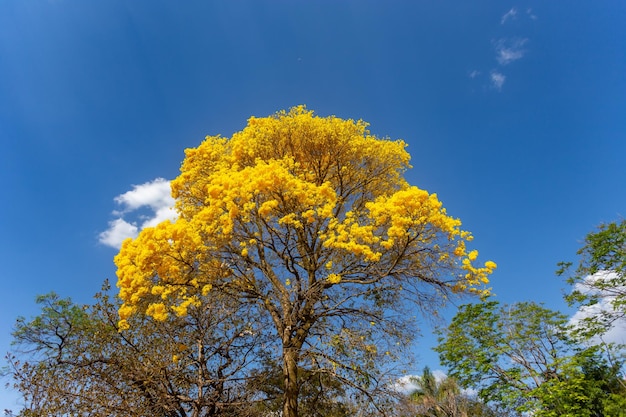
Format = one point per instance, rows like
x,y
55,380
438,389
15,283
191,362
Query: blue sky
x,y
514,113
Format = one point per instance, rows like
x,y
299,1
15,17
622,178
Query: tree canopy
x,y
525,357
308,220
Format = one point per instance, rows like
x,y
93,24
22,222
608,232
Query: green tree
x,y
599,280
523,356
443,397
437,398
74,360
310,221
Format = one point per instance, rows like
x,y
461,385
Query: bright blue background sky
x,y
514,112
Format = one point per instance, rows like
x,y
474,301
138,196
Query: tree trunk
x,y
290,374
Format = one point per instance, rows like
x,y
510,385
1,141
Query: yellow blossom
x,y
490,265
334,278
206,289
157,311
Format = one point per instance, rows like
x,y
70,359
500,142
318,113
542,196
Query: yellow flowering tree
x,y
310,220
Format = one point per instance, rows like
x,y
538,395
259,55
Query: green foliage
x,y
436,398
522,356
604,250
587,386
443,397
60,321
600,275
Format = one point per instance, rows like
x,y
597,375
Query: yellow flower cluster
x,y
161,266
291,174
269,190
474,276
312,149
334,278
408,215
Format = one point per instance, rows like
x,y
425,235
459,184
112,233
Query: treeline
x,y
290,284
504,360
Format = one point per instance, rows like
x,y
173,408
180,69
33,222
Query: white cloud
x,y
497,79
474,74
155,196
617,332
530,14
509,50
160,215
118,231
511,14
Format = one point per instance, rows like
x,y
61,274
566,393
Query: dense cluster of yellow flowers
x,y
321,189
162,264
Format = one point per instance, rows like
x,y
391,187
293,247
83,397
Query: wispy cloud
x,y
155,196
497,79
509,50
511,14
